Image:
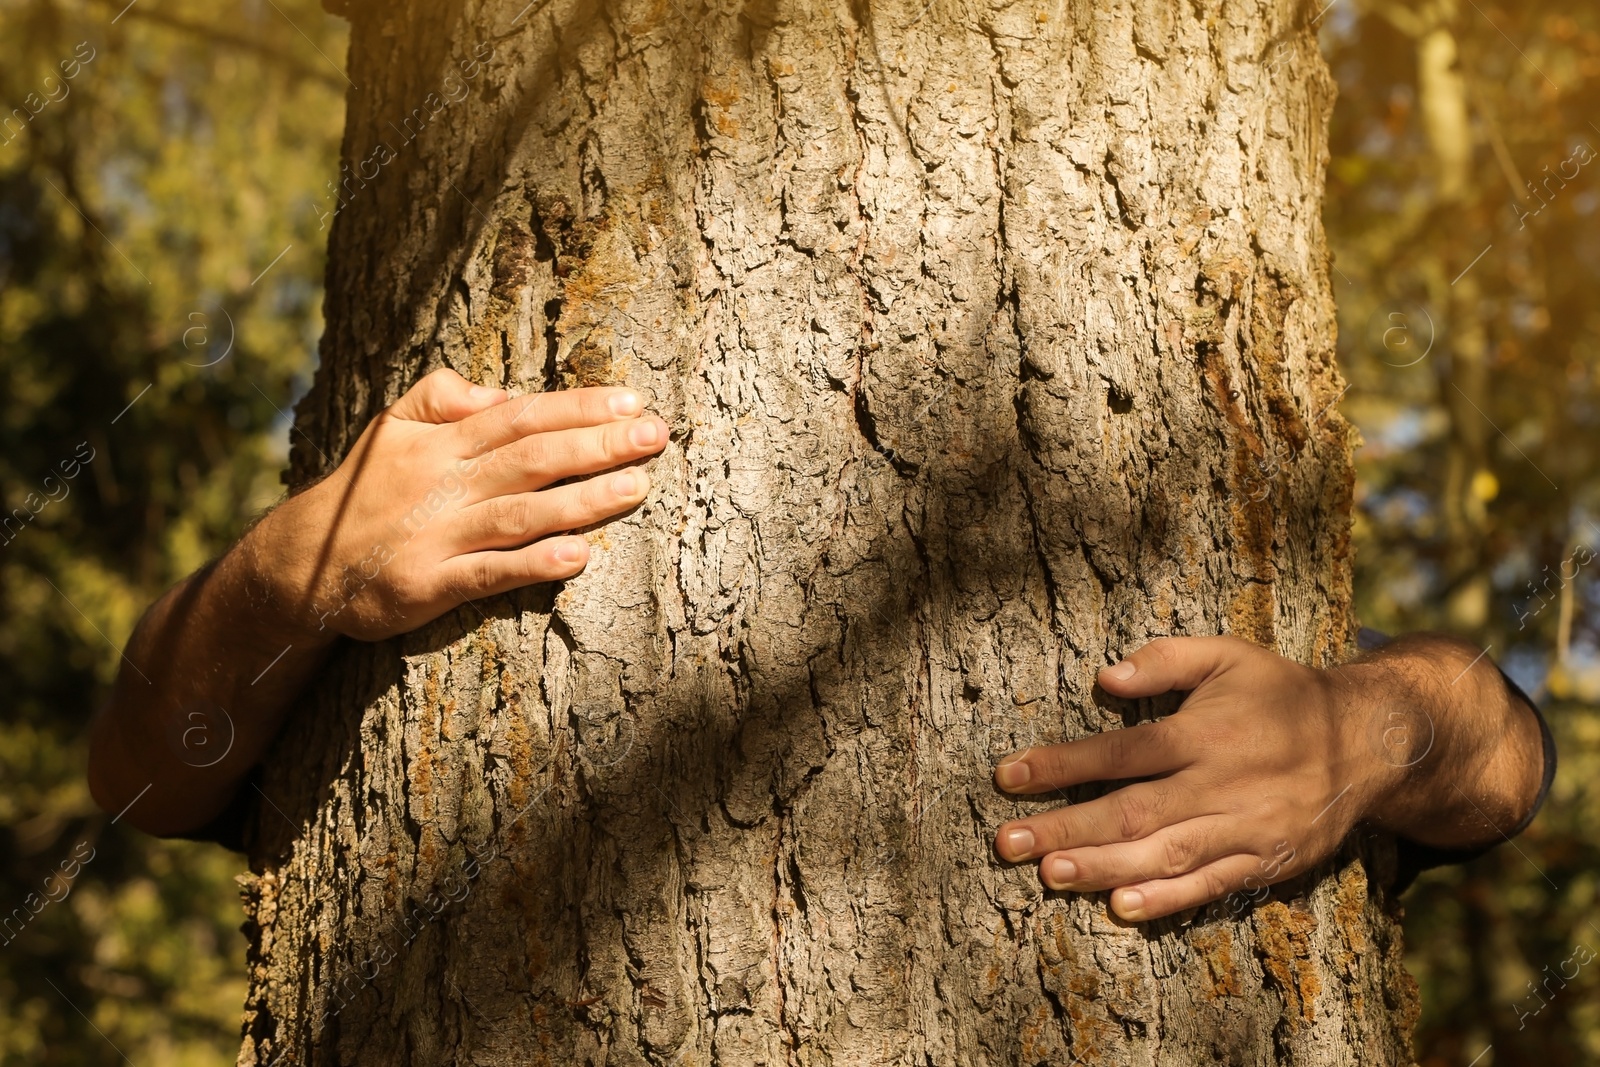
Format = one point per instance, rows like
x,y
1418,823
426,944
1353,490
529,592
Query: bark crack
x,y
786,1021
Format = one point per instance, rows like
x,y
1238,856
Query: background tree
x,y
142,202
199,141
1462,198
994,341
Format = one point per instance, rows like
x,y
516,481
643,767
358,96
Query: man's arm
x,y
451,494
1268,764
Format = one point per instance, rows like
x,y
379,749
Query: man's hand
x,y
447,497
453,493
1268,764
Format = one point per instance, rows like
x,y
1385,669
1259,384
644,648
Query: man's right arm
x,y
449,495
198,699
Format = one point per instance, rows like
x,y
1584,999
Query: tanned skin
x,y
457,492
451,494
1268,764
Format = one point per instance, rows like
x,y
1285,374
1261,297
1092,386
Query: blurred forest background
x,y
162,228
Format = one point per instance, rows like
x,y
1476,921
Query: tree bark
x,y
995,340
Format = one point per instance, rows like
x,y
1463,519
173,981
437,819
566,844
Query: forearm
x,y
452,493
206,680
1457,758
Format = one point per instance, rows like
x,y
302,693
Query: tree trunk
x,y
994,341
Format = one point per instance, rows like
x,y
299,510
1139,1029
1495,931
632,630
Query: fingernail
x,y
483,392
1013,774
1132,904
646,433
624,403
1060,872
625,485
569,551
1121,672
1019,843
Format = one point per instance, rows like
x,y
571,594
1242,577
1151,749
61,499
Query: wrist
x,y
1386,737
1463,756
273,578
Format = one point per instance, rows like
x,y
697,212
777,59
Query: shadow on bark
x,y
978,566
677,765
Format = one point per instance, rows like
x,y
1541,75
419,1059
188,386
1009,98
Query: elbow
x,y
104,787
110,785
142,788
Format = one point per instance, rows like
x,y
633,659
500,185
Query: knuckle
x,y
1239,645
566,510
1119,746
481,576
405,589
1133,813
597,406
1053,762
1180,851
596,498
509,515
1213,884
483,458
1052,830
534,454
1163,649
1128,743
569,452
615,443
1270,811
1160,735
1212,734
415,451
509,420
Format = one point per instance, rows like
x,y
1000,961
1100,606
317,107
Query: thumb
x,y
1169,663
444,396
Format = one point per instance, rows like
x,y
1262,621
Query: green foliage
x,y
142,216
1468,337
139,209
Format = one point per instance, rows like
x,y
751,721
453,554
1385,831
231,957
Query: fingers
x,y
444,396
516,519
481,574
1128,814
1169,663
1132,752
564,409
1166,853
545,458
1154,899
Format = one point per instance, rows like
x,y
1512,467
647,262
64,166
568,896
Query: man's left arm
x,y
1268,764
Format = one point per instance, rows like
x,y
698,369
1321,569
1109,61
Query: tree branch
x,y
214,35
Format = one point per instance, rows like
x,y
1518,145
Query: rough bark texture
x,y
995,339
